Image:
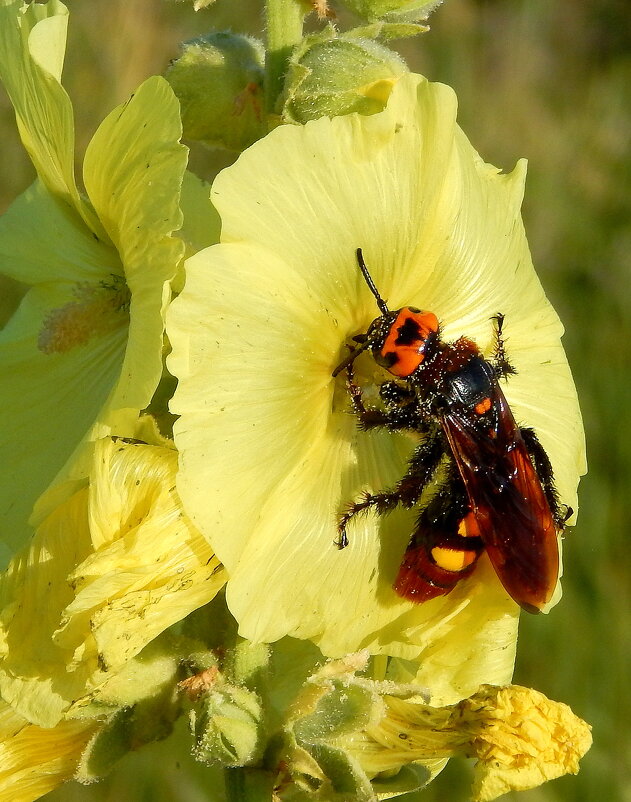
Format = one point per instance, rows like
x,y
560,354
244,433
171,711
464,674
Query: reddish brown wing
x,y
507,499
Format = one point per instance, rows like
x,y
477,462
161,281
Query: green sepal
x,y
332,704
408,778
396,11
149,675
389,30
333,707
139,704
108,745
344,776
345,708
224,697
248,664
130,728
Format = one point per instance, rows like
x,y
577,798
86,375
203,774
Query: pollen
x,y
94,311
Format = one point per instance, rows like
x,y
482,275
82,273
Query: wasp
x,y
495,489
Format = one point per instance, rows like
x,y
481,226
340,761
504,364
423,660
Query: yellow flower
x,y
83,352
270,454
111,568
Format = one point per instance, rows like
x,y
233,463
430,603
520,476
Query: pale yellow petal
x,y
55,380
133,172
34,677
287,576
327,188
201,226
520,738
145,573
32,48
34,760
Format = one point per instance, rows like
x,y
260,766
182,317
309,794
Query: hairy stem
x,y
284,20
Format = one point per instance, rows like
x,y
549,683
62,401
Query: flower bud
x,y
393,10
333,75
199,4
226,721
333,708
218,80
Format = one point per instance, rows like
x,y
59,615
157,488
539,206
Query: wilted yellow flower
x,y
270,455
83,352
108,570
381,738
520,738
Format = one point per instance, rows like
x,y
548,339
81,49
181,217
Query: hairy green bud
x,y
218,80
333,75
226,725
411,11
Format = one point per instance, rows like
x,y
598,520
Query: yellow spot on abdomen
x,y
453,559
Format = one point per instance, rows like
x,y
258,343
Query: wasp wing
x,y
506,497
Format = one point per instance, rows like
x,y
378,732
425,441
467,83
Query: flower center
x,y
94,311
367,375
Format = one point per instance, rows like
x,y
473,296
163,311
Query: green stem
x,y
284,20
248,785
248,664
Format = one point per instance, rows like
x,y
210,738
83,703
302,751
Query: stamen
x,y
97,309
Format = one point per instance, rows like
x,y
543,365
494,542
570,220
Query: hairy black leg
x,y
503,367
543,467
408,490
396,395
401,407
369,417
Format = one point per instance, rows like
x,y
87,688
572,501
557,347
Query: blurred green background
x,y
547,80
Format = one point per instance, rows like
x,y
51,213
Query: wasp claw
x,y
342,541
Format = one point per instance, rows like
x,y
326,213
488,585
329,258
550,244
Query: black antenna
x,y
383,307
